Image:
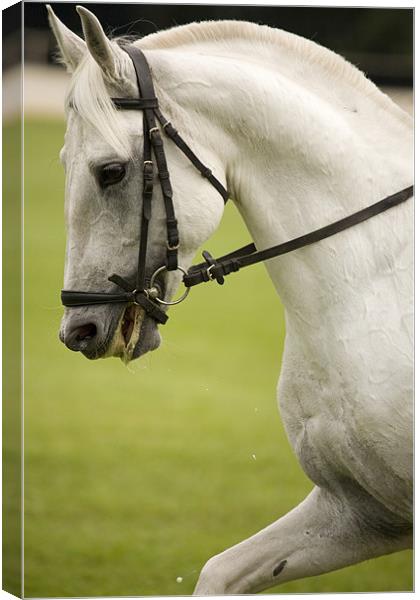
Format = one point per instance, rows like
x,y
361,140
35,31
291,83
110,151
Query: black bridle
x,y
146,290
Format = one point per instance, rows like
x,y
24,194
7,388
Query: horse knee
x,y
212,580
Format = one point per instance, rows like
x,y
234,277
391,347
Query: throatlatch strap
x,y
240,258
169,129
173,134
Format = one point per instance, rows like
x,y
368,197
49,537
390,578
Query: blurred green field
x,y
136,476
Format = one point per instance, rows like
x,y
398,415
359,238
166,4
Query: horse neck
x,y
299,151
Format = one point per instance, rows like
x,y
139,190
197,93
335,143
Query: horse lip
x,y
148,339
100,350
126,347
123,332
127,323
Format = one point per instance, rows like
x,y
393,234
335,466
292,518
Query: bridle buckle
x,y
169,247
153,130
134,294
209,273
211,262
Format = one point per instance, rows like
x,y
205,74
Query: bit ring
x,y
164,302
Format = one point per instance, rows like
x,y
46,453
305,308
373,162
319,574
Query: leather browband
x,y
135,103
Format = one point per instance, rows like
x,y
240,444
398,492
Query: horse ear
x,y
71,46
97,42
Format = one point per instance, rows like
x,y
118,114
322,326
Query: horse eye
x,y
111,174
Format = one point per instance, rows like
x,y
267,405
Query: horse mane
x,y
89,96
229,33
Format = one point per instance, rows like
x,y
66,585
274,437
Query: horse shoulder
x,y
348,414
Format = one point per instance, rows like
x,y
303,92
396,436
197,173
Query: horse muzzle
x,y
123,331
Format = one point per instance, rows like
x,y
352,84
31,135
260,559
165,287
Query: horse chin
x,y
135,335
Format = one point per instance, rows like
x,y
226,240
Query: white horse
x,y
300,138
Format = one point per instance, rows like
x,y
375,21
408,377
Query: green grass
x,y
11,383
135,476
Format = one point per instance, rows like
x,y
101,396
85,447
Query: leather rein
x,y
146,290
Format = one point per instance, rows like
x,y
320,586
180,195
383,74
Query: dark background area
x,y
378,40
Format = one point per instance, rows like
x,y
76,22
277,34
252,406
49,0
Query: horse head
x,y
103,160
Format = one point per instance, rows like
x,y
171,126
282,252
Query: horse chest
x,y
317,432
317,405
341,431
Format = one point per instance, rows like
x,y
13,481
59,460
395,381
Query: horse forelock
x,y
88,94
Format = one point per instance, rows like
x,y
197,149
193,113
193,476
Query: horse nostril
x,y
77,338
85,332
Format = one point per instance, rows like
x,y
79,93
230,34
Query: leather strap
x,y
152,136
249,256
71,298
173,134
135,103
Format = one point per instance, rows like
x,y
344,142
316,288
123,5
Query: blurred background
x,y
135,476
378,41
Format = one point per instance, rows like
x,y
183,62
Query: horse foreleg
x,y
322,534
